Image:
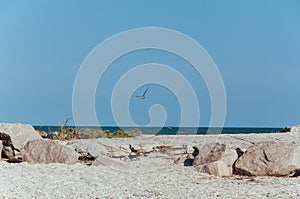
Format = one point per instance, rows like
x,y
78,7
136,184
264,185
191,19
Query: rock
x,y
7,153
208,153
290,129
1,147
19,133
48,151
8,149
269,158
229,158
215,159
217,168
6,141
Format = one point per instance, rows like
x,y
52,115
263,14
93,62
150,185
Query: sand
x,y
143,177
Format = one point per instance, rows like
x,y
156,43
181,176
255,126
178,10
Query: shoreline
x,y
117,173
133,178
166,130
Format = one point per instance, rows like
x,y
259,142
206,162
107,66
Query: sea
x,y
173,130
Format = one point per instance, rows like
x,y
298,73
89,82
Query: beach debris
x,y
85,157
136,151
65,134
48,151
269,158
171,150
160,147
160,151
238,138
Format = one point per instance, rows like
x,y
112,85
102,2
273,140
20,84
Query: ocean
x,y
174,130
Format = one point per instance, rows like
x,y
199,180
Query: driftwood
x,y
136,151
238,138
85,157
132,153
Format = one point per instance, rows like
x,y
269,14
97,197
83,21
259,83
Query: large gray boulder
x,y
215,159
269,158
19,133
48,151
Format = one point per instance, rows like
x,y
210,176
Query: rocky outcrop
x,y
269,158
48,151
19,133
214,159
291,129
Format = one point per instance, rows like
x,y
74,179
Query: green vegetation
x,y
90,133
65,133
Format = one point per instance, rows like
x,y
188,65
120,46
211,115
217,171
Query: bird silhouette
x,y
142,96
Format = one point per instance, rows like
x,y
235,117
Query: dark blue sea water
x,y
174,130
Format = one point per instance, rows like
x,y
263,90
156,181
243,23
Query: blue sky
x,y
255,45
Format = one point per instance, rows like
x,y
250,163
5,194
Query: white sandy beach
x,y
145,177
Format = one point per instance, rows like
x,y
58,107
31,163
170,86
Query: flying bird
x,y
142,96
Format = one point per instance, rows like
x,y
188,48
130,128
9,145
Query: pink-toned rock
x,y
215,159
269,158
217,168
48,151
209,153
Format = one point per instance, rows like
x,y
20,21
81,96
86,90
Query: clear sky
x,y
255,45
